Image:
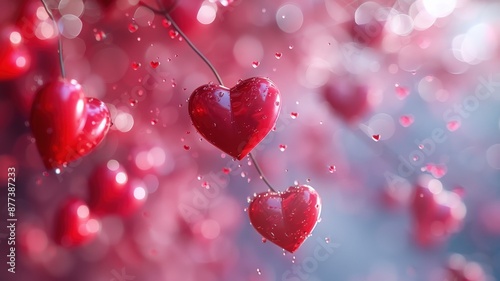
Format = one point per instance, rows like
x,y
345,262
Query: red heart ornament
x,y
235,120
111,192
75,224
286,218
65,124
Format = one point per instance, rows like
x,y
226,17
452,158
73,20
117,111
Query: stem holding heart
x,y
59,40
166,13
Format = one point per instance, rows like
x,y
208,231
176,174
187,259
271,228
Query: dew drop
x,y
294,115
282,147
243,174
133,102
226,170
154,121
205,185
290,47
166,23
327,240
376,137
132,27
57,171
401,92
99,35
199,177
187,147
255,64
278,55
244,210
264,240
293,259
332,169
136,65
173,33
421,146
258,271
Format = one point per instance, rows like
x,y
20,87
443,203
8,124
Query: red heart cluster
x,y
286,218
235,120
67,125
110,192
437,213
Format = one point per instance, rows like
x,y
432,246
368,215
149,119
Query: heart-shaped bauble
x,y
235,120
74,224
111,192
348,99
65,124
15,59
286,218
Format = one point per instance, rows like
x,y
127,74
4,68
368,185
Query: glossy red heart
x,y
65,124
235,120
111,192
74,224
15,59
286,218
437,213
348,99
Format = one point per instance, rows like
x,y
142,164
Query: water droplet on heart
x,y
327,240
264,240
226,170
332,169
99,35
376,137
282,147
258,271
132,27
406,120
187,147
294,115
278,55
277,103
136,65
166,23
133,102
453,125
173,83
255,64
138,39
173,33
154,64
154,121
401,92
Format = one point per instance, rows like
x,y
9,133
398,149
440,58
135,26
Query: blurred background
x,y
383,102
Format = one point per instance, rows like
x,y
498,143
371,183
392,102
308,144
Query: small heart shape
x,y
235,120
347,98
286,218
65,124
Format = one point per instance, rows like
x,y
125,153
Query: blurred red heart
x,y
111,192
286,218
65,124
235,120
15,59
348,99
75,225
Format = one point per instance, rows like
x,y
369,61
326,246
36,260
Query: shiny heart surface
x,y
65,124
111,192
75,225
286,218
235,120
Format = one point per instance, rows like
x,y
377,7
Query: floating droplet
x,y
226,170
290,47
243,174
133,102
255,64
187,147
376,137
258,271
205,185
293,259
453,125
327,240
278,55
132,27
173,33
332,169
154,121
401,92
282,147
99,35
294,115
166,23
406,120
57,171
264,240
